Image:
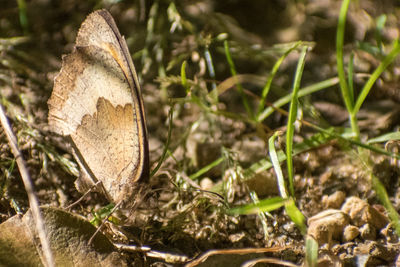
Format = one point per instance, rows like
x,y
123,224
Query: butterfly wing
x,y
96,101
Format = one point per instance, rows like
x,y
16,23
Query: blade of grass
x,y
211,71
162,158
183,78
238,85
350,78
23,18
315,141
339,54
206,168
384,198
303,92
292,118
340,69
275,68
276,164
261,215
345,137
265,205
295,215
311,252
205,108
67,164
385,137
375,75
380,24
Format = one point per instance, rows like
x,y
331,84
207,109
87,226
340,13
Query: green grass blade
x,y
238,85
211,71
292,118
265,205
183,78
384,138
275,68
316,140
206,168
311,252
276,164
344,88
350,78
164,154
261,215
296,216
380,24
303,92
375,75
23,18
339,55
345,137
384,198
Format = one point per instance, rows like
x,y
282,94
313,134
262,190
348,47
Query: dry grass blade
x,y
269,260
241,251
168,257
33,201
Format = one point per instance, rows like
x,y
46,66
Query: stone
x,y
368,232
334,201
361,212
350,233
327,226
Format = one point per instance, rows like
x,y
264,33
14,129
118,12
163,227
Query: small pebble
x,y
327,226
368,232
361,212
350,232
390,234
335,200
206,184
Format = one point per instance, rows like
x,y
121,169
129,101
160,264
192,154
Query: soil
x,y
184,216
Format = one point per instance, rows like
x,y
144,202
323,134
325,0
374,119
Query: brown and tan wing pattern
x,y
96,101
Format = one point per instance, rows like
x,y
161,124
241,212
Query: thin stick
x,y
240,251
84,195
103,222
33,201
166,256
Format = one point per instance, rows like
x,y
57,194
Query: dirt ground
x,y
179,214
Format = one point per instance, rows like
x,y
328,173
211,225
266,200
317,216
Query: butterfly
x,y
96,102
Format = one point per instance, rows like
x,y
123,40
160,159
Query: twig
x,y
84,195
274,261
33,201
240,251
103,222
167,257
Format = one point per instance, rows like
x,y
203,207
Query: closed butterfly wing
x,y
97,102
